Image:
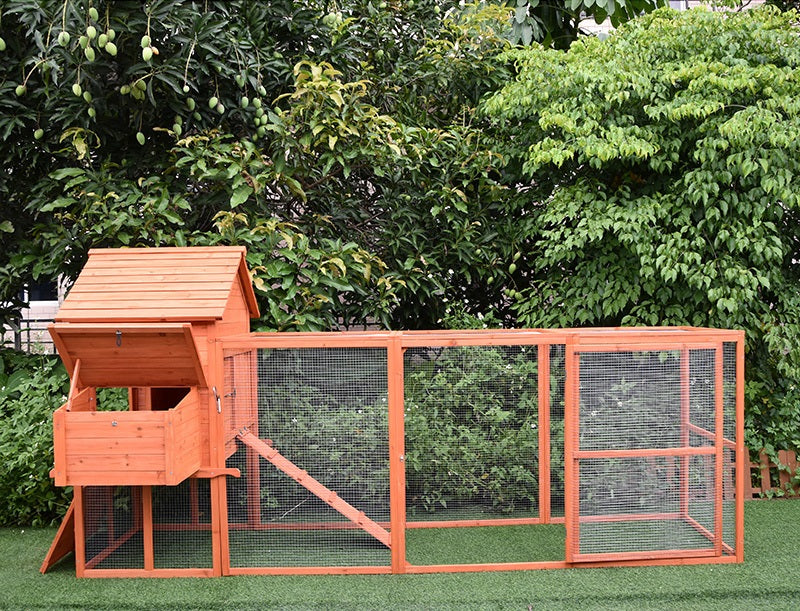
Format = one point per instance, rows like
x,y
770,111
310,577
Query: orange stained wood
x,y
64,543
397,472
133,354
128,448
159,284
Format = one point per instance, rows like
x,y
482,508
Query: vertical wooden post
x,y
543,357
60,449
742,457
397,472
684,461
147,527
219,527
571,466
719,436
219,499
80,534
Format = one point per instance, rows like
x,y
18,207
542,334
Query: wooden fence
x,y
762,482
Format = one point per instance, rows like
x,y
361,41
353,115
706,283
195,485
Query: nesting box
x,y
143,320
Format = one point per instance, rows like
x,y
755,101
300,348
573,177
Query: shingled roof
x,y
158,284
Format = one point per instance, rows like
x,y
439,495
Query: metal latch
x,y
218,400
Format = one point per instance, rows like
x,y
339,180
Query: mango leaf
x,y
240,195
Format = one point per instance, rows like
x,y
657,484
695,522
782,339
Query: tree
x,y
276,125
667,162
557,23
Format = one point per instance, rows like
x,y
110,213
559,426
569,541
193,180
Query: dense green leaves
x,y
283,114
31,388
558,23
669,159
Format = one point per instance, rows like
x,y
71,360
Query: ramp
x,y
314,487
64,542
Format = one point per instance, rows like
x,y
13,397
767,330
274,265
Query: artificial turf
x,y
768,579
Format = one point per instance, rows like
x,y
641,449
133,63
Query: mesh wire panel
x,y
702,392
112,527
241,395
630,400
702,503
729,500
729,477
471,432
729,390
557,384
633,505
326,411
182,525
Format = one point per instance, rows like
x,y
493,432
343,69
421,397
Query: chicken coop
x,y
226,452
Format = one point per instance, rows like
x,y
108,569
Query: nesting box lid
x,y
126,355
158,284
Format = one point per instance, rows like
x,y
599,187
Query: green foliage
x,y
785,5
669,161
557,24
31,388
304,139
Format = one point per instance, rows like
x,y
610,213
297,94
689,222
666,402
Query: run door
x,y
649,451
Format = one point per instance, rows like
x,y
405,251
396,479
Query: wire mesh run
x,y
649,479
556,429
322,420
502,453
182,525
630,400
634,505
112,523
471,432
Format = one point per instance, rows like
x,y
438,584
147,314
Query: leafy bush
x,y
31,388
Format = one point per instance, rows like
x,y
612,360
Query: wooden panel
x,y
127,477
83,401
236,318
165,299
100,446
125,428
144,276
90,285
131,355
131,447
143,314
131,461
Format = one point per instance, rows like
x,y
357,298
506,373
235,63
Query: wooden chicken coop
x,y
371,452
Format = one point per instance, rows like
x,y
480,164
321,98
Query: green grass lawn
x,y
769,579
